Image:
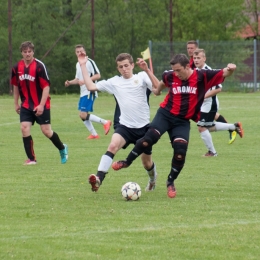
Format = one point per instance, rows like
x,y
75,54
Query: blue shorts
x,y
86,103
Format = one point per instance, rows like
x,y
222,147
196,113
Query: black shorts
x,y
176,127
131,135
206,119
27,115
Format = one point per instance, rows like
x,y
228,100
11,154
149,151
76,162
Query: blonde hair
x,y
198,51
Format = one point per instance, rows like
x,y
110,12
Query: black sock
x,y
133,155
101,176
56,141
28,147
221,119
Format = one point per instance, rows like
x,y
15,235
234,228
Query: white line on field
x,y
10,123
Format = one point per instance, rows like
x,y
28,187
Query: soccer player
x,y
31,83
209,109
130,92
191,47
87,97
187,89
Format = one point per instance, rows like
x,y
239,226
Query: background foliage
x,y
120,26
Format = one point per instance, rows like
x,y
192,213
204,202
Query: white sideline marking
x,y
9,123
151,228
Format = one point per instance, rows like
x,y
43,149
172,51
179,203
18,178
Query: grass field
x,y
47,211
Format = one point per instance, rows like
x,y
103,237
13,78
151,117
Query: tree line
x,y
107,28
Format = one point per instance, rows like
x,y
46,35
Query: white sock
x,y
152,173
105,163
224,126
90,127
207,139
97,119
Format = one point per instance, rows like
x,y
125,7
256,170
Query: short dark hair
x,y
125,56
193,42
80,46
26,45
182,59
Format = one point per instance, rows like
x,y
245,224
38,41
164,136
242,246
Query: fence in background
x,y
244,54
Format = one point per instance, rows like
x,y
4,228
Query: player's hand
x,y
38,110
231,67
67,83
17,109
142,64
82,58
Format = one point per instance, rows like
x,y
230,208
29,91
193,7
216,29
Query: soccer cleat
x,y
119,165
93,137
232,138
29,162
94,181
210,154
171,191
150,185
152,179
239,129
107,126
64,154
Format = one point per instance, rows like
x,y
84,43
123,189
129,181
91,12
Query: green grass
x,y
48,211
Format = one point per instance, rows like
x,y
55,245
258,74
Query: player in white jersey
x,y
209,109
87,97
130,92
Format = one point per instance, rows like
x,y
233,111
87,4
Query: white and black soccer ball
x,y
131,191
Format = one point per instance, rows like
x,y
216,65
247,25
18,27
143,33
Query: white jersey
x,y
92,70
131,97
208,103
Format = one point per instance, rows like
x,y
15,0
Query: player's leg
x,y
84,106
232,134
88,107
206,121
150,168
45,123
179,139
158,127
225,126
116,143
27,119
118,140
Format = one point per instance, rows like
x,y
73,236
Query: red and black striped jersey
x,y
192,64
31,80
185,97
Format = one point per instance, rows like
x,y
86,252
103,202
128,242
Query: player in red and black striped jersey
x,y
31,83
186,93
191,47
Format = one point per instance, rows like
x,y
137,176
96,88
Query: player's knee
x,y
84,116
180,147
151,137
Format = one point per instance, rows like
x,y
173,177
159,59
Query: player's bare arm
x,y
228,71
82,59
213,92
155,82
72,82
17,107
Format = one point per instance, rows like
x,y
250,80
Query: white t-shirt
x,y
92,70
207,103
131,98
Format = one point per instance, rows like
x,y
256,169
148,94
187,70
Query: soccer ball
x,y
131,191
